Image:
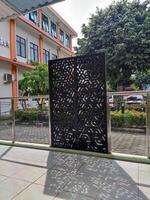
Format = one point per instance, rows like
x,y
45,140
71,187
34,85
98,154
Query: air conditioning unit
x,y
7,78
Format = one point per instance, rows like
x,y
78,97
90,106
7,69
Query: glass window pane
x,y
33,17
62,36
18,49
67,41
21,46
45,25
53,30
23,51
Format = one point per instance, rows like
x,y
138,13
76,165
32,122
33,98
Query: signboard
x,y
4,42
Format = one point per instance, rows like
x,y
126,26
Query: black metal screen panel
x,y
78,103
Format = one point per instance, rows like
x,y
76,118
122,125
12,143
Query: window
x,y
67,42
46,56
62,36
34,52
45,25
53,30
33,17
54,57
21,46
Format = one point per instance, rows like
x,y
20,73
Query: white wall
x,y
5,35
5,88
64,54
49,46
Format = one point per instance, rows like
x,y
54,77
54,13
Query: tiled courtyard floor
x,y
122,142
29,174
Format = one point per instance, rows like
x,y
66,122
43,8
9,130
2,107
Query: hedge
x,y
128,119
30,115
140,107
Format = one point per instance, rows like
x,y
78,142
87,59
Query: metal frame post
x,y
49,122
13,119
148,125
109,125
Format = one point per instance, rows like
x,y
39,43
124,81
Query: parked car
x,y
134,99
111,102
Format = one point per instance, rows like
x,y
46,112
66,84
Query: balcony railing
x,y
129,122
27,119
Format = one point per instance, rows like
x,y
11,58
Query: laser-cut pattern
x,y
78,103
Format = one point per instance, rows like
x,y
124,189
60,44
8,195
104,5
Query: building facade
x,y
36,37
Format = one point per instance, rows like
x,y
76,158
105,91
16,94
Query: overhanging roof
x,y
10,8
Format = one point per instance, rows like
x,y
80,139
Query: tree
x,y
35,82
123,31
141,79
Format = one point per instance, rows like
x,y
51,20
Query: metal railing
x,y
123,102
27,119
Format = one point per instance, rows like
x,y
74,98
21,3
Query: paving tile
x,y
12,187
144,178
109,170
30,173
37,192
5,195
95,166
66,161
54,178
72,196
130,169
4,149
69,177
2,178
131,143
88,187
144,168
111,190
8,168
144,193
30,157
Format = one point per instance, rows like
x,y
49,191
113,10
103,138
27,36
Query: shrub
x,y
139,107
31,115
128,119
26,115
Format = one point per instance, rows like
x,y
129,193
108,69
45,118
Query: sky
x,y
77,12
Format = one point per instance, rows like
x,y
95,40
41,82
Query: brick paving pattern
x,y
122,142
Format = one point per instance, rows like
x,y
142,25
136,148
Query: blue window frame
x,y
53,30
46,56
33,16
62,36
21,46
45,24
34,52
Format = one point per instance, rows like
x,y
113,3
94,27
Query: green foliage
x,y
133,107
141,78
35,82
26,115
128,119
31,115
123,31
